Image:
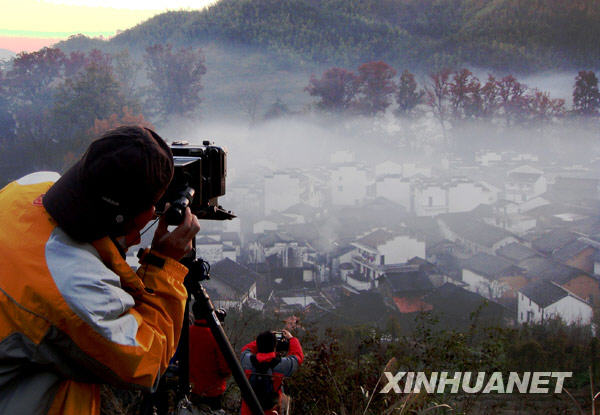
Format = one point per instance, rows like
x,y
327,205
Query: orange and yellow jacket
x,y
75,315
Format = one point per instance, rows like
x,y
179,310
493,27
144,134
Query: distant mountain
x,y
7,54
517,35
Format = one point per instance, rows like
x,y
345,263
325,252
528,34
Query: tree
x,y
586,97
7,122
176,79
512,99
126,71
126,117
464,91
74,63
438,93
32,74
336,90
544,109
376,87
489,98
277,109
93,94
407,96
250,100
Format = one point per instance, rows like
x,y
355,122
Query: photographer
x,y
266,369
73,314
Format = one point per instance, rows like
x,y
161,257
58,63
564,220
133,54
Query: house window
x,y
340,188
430,201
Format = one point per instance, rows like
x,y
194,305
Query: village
x,y
508,231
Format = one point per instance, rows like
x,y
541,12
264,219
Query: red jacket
x,y
208,369
288,365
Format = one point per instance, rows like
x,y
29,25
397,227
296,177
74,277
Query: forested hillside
x,y
517,35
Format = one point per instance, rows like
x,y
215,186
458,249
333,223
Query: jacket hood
x,y
265,357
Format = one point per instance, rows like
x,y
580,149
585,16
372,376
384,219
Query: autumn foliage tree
x,y
336,90
176,78
32,75
376,87
464,95
512,99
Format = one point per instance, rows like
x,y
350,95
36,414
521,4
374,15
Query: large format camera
x,y
198,182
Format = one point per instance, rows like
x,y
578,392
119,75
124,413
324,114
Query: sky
x,y
28,25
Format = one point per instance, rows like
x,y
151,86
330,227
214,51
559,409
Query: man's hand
x,y
179,242
286,334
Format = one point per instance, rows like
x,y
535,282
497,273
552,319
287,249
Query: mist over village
x,y
407,198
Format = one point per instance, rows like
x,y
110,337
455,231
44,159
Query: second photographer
x,y
266,369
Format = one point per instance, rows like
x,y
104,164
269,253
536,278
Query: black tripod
x,y
198,272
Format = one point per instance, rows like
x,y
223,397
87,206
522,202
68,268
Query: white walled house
x,y
507,214
524,183
543,300
394,188
231,285
384,247
388,168
457,194
348,184
465,195
429,198
491,276
474,235
282,190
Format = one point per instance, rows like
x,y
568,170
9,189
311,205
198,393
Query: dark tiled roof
x,y
473,230
455,304
366,307
270,238
547,269
301,209
516,252
205,240
570,250
408,279
238,277
523,177
429,268
483,211
376,238
231,237
553,240
303,233
544,292
490,266
426,228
